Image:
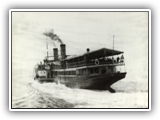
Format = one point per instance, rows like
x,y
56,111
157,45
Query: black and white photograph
x,y
80,59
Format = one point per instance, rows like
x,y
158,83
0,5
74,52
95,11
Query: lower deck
x,y
89,70
92,77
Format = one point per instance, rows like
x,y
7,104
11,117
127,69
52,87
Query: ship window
x,y
110,69
103,70
77,71
65,72
84,71
74,72
70,72
55,73
80,72
60,73
91,70
96,70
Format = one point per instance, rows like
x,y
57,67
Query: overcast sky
x,y
81,30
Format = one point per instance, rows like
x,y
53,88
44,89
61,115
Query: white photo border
x,y
80,10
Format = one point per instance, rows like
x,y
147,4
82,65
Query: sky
x,y
79,31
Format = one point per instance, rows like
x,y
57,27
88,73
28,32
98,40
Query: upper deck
x,y
102,56
95,63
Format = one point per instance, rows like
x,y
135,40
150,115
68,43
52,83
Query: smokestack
x,y
63,51
55,52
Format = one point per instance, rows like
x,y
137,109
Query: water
x,y
27,93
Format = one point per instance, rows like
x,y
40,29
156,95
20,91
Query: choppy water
x,y
27,93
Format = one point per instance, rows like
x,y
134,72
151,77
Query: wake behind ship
x,y
97,69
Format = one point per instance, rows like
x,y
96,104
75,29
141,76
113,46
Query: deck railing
x,y
89,63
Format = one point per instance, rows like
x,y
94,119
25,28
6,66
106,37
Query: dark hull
x,y
103,81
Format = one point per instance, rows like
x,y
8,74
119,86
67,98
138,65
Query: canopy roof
x,y
97,54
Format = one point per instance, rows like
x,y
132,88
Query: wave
x,y
32,94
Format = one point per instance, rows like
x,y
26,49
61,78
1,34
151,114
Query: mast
x,y
112,54
113,42
113,46
47,46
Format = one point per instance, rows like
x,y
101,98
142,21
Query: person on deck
x,y
122,59
112,59
118,59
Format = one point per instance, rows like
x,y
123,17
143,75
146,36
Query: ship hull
x,y
100,82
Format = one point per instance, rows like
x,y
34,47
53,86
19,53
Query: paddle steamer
x,y
97,69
